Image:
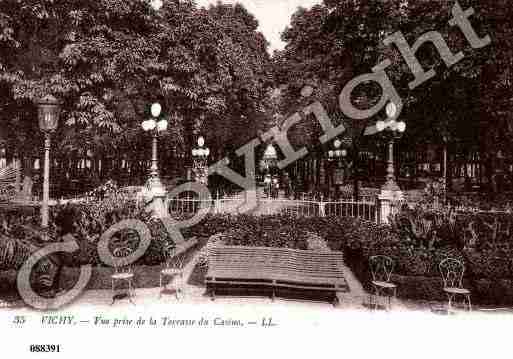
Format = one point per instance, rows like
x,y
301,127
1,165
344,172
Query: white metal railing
x,y
266,206
188,206
466,209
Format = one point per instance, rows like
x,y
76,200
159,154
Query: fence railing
x,y
265,206
438,205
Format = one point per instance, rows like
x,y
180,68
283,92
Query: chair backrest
x,y
8,176
381,268
452,271
174,260
122,252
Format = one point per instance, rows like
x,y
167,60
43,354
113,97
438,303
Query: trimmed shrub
x,y
418,241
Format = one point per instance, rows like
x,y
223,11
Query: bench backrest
x,y
282,259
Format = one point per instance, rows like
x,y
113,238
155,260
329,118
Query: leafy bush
x,y
418,239
280,237
86,222
483,201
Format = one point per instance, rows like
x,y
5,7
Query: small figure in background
x,y
268,184
287,183
275,187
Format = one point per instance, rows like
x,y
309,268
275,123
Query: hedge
x,y
417,240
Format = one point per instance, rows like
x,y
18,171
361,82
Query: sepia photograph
x,y
300,178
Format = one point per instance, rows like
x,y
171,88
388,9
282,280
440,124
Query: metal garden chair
x,y
123,273
381,268
173,269
8,176
452,271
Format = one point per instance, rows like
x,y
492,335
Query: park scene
x,y
358,156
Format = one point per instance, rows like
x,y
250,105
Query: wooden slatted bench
x,y
275,268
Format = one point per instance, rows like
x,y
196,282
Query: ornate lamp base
x,y
389,201
156,186
158,195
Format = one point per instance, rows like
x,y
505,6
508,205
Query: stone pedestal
x,y
218,205
251,202
159,207
155,198
322,209
389,201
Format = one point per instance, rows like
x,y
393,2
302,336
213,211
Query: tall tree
x,y
109,59
338,40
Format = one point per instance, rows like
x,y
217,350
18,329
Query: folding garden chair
x,y
123,273
173,269
452,271
381,268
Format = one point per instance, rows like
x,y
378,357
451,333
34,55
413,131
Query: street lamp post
x,y
390,194
393,131
48,116
200,156
335,156
445,139
270,157
270,160
158,191
156,4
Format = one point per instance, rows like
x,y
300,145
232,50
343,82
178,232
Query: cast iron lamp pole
x,y
336,155
48,116
154,169
270,158
395,130
200,156
155,183
445,139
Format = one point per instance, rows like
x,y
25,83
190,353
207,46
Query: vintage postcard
x,y
256,178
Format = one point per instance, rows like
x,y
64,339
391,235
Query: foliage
x,y
86,223
108,189
432,228
108,59
333,42
482,202
482,240
279,237
418,239
16,238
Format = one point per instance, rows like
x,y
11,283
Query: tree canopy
x,y
335,41
108,60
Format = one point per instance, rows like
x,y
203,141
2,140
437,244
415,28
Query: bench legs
x,y
336,301
211,290
212,287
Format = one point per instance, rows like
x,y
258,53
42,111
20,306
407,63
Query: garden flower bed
x,y
417,241
420,239
281,237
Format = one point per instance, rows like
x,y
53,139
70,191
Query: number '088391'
x,y
44,348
